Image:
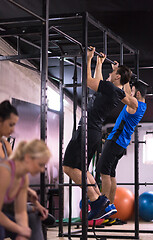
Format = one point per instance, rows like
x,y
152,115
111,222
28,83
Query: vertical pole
x,y
136,183
84,153
137,64
105,42
44,79
121,54
61,130
74,95
137,166
74,129
18,46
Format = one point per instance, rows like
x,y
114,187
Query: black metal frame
x,y
47,31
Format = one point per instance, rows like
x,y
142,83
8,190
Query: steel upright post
x,y
121,54
84,153
61,130
136,183
105,42
137,165
44,79
74,129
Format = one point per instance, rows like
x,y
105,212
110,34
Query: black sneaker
x,y
98,208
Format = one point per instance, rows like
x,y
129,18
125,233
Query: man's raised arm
x,y
93,83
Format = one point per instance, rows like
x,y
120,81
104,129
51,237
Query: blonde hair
x,y
35,148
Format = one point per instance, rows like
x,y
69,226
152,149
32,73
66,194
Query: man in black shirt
x,y
106,97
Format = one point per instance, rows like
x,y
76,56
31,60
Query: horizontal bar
x,y
100,236
66,17
19,57
26,10
118,230
145,184
111,230
100,55
78,43
74,185
72,85
19,21
139,142
149,94
30,43
149,132
38,185
20,32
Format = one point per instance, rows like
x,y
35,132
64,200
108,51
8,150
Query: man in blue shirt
x,y
118,140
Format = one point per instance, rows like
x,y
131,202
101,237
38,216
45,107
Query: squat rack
x,y
74,33
85,19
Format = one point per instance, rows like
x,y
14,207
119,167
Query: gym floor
x,y
52,233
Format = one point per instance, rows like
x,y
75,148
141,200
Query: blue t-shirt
x,y
125,125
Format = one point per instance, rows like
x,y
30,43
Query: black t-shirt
x,y
102,103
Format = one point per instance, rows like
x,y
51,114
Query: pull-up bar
x,y
100,55
89,48
78,43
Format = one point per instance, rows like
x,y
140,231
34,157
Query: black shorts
x,y
111,153
72,157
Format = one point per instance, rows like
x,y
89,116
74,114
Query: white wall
x,y
16,81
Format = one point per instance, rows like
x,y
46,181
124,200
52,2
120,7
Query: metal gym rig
x,y
67,38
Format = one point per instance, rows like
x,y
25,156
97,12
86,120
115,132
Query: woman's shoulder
x,y
5,170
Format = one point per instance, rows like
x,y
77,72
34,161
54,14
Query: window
x,y
148,149
53,99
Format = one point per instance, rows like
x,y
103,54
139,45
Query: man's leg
x,y
92,181
113,189
76,175
106,185
98,203
109,187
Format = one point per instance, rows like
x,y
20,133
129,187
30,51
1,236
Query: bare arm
x,y
98,68
43,211
4,220
32,197
92,83
20,205
129,100
20,208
